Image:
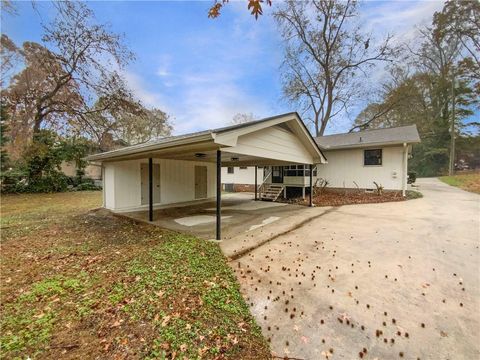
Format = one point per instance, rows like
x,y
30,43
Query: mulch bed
x,y
332,197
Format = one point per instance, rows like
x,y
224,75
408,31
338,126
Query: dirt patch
x,y
334,197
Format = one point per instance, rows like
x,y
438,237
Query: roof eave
x,y
365,145
149,148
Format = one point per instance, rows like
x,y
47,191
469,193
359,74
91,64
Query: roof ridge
x,y
369,130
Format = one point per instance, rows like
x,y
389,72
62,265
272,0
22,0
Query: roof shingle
x,y
390,136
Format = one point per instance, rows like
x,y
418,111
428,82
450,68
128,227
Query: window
x,y
372,157
230,170
297,170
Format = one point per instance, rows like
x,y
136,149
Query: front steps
x,y
271,192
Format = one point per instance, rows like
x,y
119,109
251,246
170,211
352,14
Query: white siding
x,y
177,183
346,166
273,143
109,186
242,176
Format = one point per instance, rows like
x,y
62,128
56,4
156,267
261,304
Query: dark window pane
x,y
372,157
230,170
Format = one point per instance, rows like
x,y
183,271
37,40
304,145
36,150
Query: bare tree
x,y
326,57
10,56
241,118
60,85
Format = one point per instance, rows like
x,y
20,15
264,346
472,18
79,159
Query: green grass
x,y
83,285
466,181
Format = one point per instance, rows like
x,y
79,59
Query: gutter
x,y
365,145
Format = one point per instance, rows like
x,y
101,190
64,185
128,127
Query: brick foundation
x,y
244,188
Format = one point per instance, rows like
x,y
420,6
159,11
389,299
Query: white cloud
x,y
398,17
163,69
141,91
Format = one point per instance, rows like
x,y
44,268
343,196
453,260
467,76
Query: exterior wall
x,y
242,176
92,171
122,189
244,187
346,166
109,186
343,168
273,143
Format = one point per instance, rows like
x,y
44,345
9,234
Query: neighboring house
x,y
181,170
355,160
92,170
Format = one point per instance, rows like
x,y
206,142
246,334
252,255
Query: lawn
x,y
467,181
85,284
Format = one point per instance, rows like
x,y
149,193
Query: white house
x,y
360,158
355,160
183,169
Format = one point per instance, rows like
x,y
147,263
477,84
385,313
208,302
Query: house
x,y
182,170
355,160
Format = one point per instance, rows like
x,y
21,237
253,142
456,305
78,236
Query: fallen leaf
x,y
165,321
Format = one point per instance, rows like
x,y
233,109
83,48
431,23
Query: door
x,y
144,183
200,182
277,174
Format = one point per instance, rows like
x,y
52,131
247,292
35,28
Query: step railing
x,y
267,171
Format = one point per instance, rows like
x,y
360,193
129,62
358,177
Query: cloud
x,y
398,17
163,69
211,75
140,89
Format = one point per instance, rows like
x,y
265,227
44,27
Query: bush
x,y
14,180
87,186
39,169
412,177
54,182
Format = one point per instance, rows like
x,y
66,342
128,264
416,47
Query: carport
x,y
186,169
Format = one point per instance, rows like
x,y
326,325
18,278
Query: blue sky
x,y
203,71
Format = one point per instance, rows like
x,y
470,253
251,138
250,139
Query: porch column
x,y
311,185
256,197
219,195
150,189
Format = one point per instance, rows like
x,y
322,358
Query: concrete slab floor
x,y
240,214
377,281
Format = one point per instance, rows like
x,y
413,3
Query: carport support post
x,y
219,195
311,185
150,189
256,197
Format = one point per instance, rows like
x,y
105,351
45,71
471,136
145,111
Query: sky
x,y
203,71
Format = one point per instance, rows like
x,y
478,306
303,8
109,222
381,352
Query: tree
x,y
80,64
10,56
421,92
3,139
135,126
326,57
461,20
241,118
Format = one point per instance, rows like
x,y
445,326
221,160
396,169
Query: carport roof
x,y
207,136
390,136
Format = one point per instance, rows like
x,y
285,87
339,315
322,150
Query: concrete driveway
x,y
379,281
241,215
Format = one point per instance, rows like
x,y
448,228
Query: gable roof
x,y
214,135
390,136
